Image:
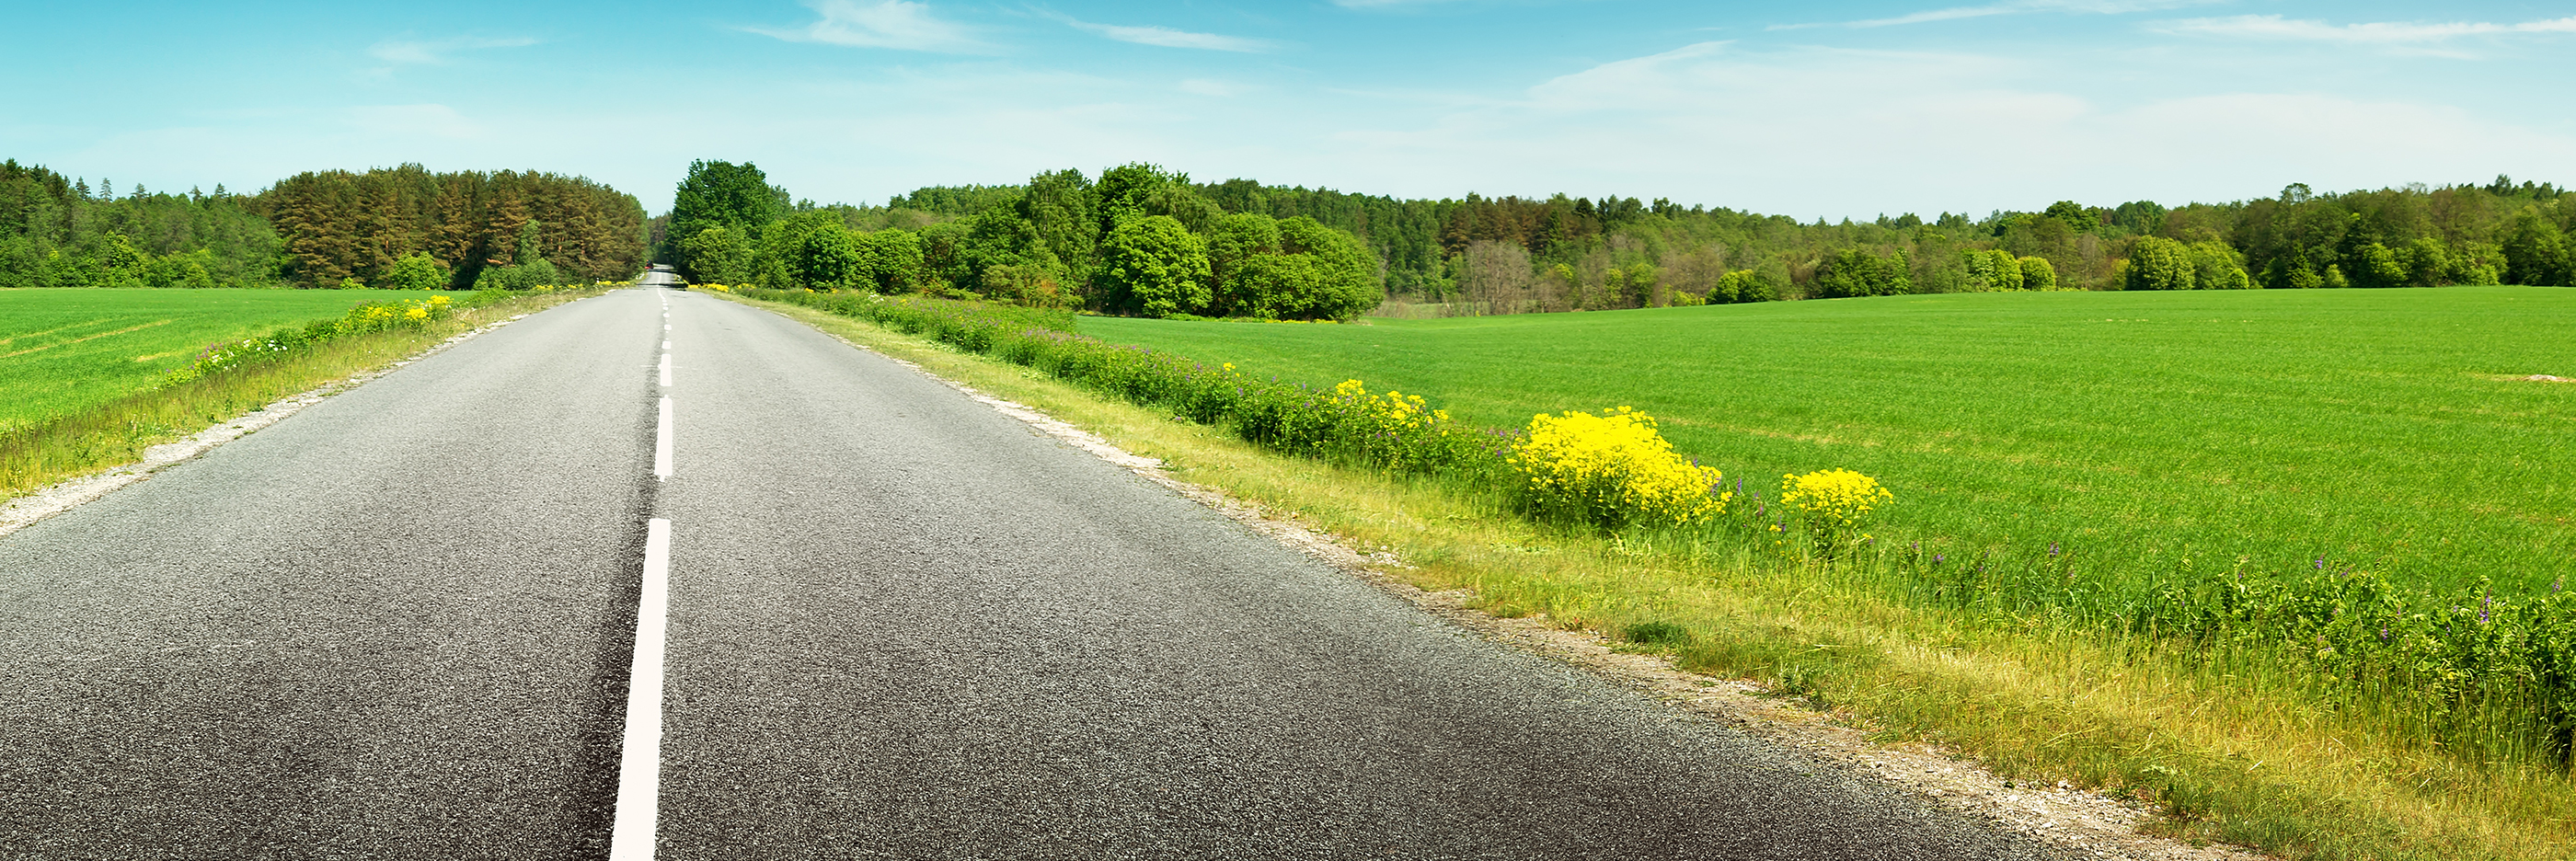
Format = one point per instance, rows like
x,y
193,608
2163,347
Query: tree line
x,y
1136,240
1512,254
402,227
58,231
408,227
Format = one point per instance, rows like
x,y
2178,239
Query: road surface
x,y
892,623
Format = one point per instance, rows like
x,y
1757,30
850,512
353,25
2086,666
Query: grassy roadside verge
x,y
117,432
2223,758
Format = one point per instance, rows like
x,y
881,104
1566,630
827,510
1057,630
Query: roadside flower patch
x,y
1831,504
371,317
1612,470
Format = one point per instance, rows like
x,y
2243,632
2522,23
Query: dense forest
x,y
1143,240
401,227
1138,240
1041,242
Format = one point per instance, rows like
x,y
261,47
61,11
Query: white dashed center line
x,y
662,443
639,771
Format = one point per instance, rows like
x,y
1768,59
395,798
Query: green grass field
x,y
62,350
2148,435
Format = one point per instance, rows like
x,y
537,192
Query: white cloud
x,y
1166,37
430,51
2374,33
894,24
2018,7
1385,4
1821,132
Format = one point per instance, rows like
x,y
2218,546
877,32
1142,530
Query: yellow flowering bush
x,y
1612,470
1832,503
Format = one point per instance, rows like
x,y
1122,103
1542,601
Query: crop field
x,y
2127,438
65,349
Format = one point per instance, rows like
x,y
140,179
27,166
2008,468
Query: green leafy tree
x,y
1236,240
722,255
943,257
1991,269
414,271
2477,263
1348,284
2537,253
721,194
1061,210
2037,273
1742,285
118,263
1154,266
809,250
192,270
889,260
1277,286
2157,263
1634,284
1124,190
828,258
2076,216
2427,262
2215,266
1856,271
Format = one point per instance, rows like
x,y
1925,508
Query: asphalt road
x,y
400,624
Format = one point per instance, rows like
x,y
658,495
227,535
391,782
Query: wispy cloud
x,y
2017,7
429,51
1166,37
896,24
1765,129
2373,33
1384,4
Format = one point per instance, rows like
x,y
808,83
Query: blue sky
x,y
1827,109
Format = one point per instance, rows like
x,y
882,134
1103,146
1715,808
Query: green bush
x,y
414,271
